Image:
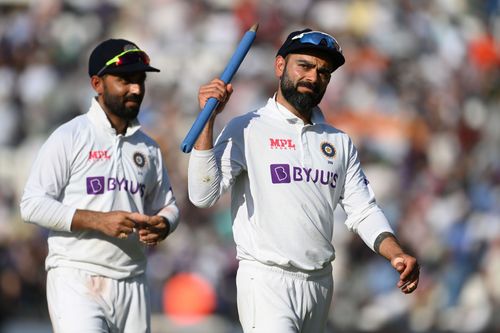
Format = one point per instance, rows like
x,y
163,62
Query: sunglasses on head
x,y
318,38
128,57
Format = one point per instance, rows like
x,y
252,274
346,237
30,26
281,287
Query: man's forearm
x,y
85,220
387,246
205,140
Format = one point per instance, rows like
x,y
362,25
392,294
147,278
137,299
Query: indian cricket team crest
x,y
328,149
139,159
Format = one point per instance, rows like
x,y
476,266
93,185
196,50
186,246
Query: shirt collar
x,y
282,112
98,117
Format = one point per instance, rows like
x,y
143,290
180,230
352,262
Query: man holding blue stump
x,y
287,170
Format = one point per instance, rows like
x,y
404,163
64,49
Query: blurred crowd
x,y
419,94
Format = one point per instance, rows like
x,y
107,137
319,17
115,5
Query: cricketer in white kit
x,y
287,170
100,186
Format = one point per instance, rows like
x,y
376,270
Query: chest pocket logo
x,y
139,159
328,149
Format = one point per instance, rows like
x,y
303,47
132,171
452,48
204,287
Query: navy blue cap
x,y
307,39
109,49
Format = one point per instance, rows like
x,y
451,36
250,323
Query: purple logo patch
x,y
95,185
280,173
285,174
99,185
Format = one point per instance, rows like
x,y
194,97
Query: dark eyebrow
x,y
323,69
133,77
304,62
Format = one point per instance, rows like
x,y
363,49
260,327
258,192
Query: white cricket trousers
x,y
272,299
80,302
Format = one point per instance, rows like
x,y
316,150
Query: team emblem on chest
x,y
139,159
328,149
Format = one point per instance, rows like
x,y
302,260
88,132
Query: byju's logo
x,y
97,185
280,173
283,174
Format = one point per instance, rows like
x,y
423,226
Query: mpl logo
x,y
98,185
282,144
99,155
284,174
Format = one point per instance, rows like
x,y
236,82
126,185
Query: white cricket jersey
x,y
85,165
286,179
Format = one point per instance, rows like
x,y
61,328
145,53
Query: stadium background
x,y
419,94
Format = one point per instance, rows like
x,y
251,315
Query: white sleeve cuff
x,y
203,178
172,216
372,226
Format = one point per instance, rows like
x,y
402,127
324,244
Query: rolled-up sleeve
x,y
212,172
161,199
364,216
204,178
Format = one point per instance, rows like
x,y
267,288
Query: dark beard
x,y
302,102
117,106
